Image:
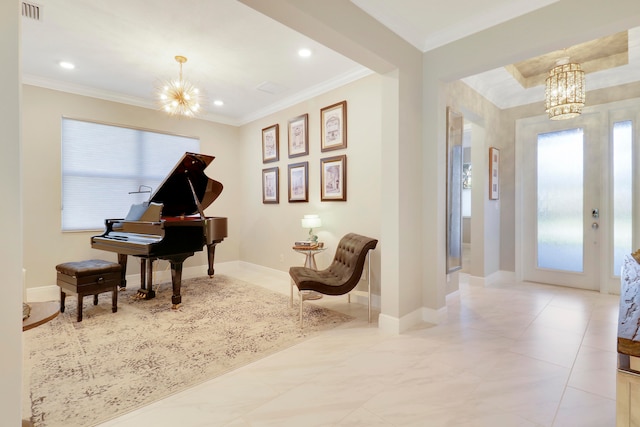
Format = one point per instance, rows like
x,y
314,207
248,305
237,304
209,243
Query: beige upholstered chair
x,y
341,276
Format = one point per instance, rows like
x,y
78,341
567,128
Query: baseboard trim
x,y
417,317
43,293
492,279
262,269
385,322
161,274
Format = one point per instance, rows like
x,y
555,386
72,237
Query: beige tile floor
x,y
507,355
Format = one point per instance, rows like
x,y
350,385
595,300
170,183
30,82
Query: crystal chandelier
x,y
564,93
179,97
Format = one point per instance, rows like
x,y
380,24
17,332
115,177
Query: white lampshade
x,y
311,221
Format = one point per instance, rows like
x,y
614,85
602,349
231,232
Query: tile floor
x,y
508,355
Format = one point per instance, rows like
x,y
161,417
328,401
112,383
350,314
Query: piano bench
x,y
90,277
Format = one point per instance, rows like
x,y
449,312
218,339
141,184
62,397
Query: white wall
x,y
45,245
269,230
10,217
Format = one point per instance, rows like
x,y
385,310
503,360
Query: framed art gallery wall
x,y
332,179
351,164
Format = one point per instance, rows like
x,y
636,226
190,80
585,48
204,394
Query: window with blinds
x,y
104,166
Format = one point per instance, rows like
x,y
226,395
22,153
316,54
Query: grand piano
x,y
170,226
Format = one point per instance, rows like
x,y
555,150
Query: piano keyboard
x,y
133,237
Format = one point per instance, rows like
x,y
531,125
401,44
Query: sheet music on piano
x,y
171,225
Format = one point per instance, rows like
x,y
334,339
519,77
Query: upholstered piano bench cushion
x,y
90,277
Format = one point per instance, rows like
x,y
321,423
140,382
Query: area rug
x,y
82,374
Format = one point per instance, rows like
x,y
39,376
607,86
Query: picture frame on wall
x,y
299,182
494,173
333,178
333,127
271,144
270,185
299,136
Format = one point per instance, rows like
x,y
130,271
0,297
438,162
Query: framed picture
x,y
270,187
333,171
333,127
270,144
299,136
299,182
494,173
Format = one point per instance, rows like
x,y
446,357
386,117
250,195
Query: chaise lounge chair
x,y
341,276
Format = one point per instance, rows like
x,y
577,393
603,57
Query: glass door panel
x,y
622,190
560,200
577,211
561,187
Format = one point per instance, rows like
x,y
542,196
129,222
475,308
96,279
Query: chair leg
x,y
63,296
79,314
301,299
369,285
291,293
114,299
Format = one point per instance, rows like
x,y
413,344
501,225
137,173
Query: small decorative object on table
x,y
305,244
636,256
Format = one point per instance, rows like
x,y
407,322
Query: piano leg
x,y
146,279
211,251
143,275
176,276
122,260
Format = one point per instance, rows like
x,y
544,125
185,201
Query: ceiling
x,y
123,49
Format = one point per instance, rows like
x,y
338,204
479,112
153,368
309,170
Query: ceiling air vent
x,y
32,11
270,87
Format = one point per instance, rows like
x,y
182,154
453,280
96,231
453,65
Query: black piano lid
x,y
175,192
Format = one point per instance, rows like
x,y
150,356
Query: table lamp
x,y
311,222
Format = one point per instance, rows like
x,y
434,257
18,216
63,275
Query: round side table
x,y
41,312
310,260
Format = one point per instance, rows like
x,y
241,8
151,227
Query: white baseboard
x,y
43,293
417,317
162,273
452,295
497,277
247,266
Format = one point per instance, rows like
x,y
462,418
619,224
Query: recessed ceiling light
x,y
218,103
67,65
304,53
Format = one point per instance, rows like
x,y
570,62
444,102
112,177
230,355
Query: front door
x,y
577,204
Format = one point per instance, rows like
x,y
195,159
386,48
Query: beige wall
x,y
259,233
44,243
268,230
11,216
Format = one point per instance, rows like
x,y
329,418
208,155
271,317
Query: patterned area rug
x,y
82,374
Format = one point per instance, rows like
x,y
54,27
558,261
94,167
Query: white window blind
x,y
102,164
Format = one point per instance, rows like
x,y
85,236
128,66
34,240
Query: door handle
x,y
595,226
